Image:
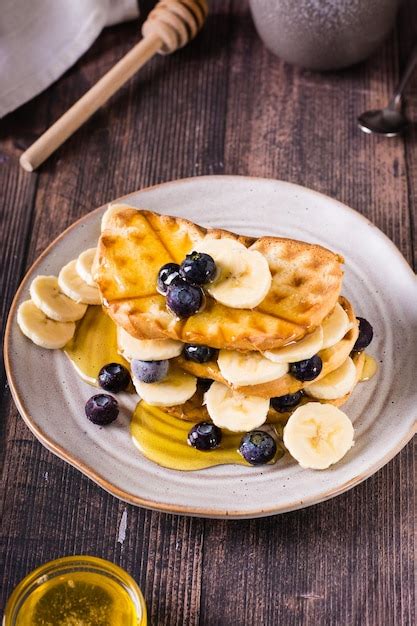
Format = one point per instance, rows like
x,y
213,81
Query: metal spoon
x,y
390,121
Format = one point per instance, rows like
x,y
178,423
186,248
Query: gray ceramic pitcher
x,y
323,34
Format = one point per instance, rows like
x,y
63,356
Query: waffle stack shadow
x,y
294,344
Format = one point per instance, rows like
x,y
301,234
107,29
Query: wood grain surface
x,y
224,104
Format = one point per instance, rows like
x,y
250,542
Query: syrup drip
x,y
93,345
369,369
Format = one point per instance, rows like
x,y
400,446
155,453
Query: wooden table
x,y
222,105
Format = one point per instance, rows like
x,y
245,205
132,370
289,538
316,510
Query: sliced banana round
x,y
243,276
84,266
176,388
233,410
335,326
43,331
336,384
48,297
248,368
299,350
147,349
71,283
318,435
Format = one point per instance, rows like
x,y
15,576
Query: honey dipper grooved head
x,y
176,22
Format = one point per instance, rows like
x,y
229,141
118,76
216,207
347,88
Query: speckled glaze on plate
x,y
50,396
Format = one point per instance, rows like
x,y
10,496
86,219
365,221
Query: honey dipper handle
x,y
90,102
170,25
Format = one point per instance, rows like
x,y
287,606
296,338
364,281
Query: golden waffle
x,y
332,359
306,283
192,411
195,411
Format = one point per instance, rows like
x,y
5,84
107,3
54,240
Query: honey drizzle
x,y
370,368
93,345
162,438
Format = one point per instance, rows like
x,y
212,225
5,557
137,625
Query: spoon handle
x,y
395,102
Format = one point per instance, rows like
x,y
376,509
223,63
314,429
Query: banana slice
x,y
299,350
335,327
147,349
244,277
48,297
336,384
233,410
84,266
318,435
248,368
176,388
43,331
71,283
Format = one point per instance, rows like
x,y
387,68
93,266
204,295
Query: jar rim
x,y
72,564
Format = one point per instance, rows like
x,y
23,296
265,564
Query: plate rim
x,y
133,499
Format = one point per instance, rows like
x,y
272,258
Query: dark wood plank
x,y
17,197
346,561
408,29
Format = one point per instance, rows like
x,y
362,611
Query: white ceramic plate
x,y
378,281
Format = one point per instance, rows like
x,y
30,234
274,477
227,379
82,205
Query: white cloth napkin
x,y
41,39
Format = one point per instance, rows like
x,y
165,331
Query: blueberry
x,y
308,369
257,447
168,273
205,436
282,404
204,384
197,353
149,371
102,409
184,299
114,377
198,268
366,334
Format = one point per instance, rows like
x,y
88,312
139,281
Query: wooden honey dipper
x,y
170,25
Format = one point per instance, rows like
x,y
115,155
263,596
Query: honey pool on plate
x,y
162,438
94,344
76,591
369,368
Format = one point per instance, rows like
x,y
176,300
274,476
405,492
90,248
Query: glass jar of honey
x,y
76,591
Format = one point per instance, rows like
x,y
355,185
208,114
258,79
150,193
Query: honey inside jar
x,y
75,592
